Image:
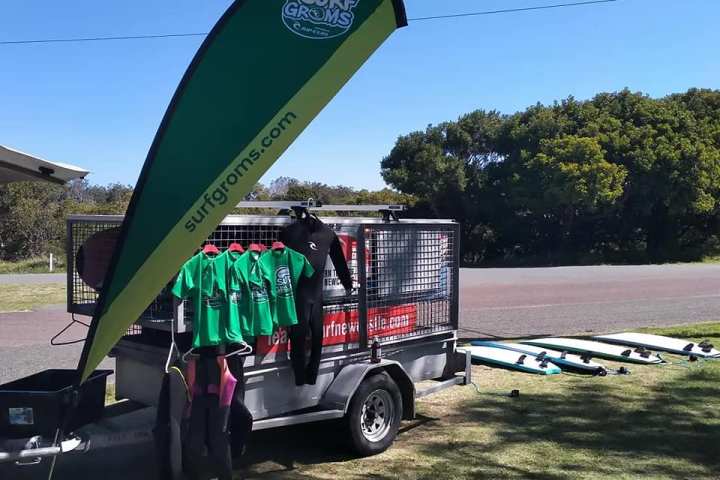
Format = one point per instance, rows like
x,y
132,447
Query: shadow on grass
x,y
271,452
670,430
589,428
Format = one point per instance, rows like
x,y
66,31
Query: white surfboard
x,y
514,360
665,344
561,359
598,349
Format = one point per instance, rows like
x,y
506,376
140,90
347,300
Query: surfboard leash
x,y
514,393
691,362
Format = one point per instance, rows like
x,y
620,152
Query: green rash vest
x,y
232,330
204,283
286,266
252,283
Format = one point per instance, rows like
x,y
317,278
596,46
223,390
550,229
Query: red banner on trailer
x,y
343,327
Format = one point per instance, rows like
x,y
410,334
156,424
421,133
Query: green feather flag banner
x,y
264,72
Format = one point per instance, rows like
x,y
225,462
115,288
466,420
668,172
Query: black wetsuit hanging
x,y
212,388
172,403
241,420
315,240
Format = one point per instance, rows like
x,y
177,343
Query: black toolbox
x,y
37,405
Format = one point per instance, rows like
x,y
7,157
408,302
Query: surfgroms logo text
x,y
319,19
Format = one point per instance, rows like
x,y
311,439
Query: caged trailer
x,y
390,341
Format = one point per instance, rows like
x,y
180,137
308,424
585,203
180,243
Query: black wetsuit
x,y
315,240
241,420
212,388
205,425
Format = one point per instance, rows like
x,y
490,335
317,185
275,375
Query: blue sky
x,y
98,105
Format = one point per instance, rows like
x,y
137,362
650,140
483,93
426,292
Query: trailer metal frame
x,y
407,268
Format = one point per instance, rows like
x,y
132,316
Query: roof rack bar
x,y
317,206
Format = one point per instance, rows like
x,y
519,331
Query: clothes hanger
x,y
278,246
55,343
245,349
210,249
173,348
185,355
173,345
236,247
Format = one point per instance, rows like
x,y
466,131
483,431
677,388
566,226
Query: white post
x,y
51,262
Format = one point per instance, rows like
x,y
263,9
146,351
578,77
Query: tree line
x,y
32,215
619,178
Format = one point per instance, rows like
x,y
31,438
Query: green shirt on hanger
x,y
286,266
231,326
204,283
251,283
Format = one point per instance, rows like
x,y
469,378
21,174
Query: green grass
x,y
659,422
699,331
18,298
110,394
711,259
32,265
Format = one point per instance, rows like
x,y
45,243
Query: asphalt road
x,y
31,278
493,302
574,300
25,342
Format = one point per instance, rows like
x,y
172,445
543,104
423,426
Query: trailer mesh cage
x,y
405,274
410,279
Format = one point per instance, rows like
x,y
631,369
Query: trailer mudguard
x,y
346,383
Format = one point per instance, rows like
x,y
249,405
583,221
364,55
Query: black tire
x,y
374,416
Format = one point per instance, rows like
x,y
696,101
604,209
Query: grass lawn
x,y
110,394
17,298
659,422
33,265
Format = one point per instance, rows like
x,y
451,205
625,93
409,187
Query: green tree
x,y
620,177
31,219
574,175
33,214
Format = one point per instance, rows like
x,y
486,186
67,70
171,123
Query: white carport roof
x,y
17,166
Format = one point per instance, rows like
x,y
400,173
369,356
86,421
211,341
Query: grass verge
x,y
110,394
18,298
32,265
659,422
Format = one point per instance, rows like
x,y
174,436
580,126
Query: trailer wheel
x,y
374,415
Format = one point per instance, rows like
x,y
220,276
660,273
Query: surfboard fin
x,y
521,360
706,346
643,352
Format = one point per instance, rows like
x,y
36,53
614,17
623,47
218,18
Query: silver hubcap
x,y
378,414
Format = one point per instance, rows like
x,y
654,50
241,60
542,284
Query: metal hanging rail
x,y
318,206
